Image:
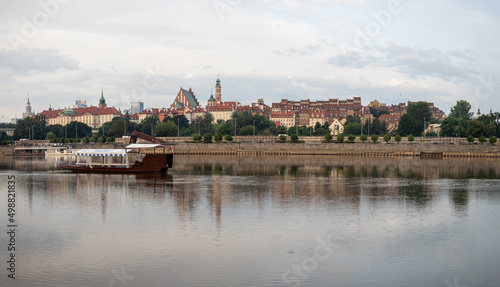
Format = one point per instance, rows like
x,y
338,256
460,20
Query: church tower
x,y
218,95
102,101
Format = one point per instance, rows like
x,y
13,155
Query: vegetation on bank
x,y
459,123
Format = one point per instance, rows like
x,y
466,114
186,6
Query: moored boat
x,y
134,158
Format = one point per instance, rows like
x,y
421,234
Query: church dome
x,y
68,112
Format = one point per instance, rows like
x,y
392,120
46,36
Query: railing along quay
x,y
370,154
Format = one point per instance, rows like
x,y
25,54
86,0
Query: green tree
x,y
493,140
470,139
411,138
453,127
228,138
204,124
340,138
77,130
387,138
217,138
294,138
482,139
31,128
146,126
328,138
292,130
351,138
374,138
397,138
246,131
51,137
197,137
363,138
461,110
476,128
352,128
168,129
207,138
110,139
85,140
413,121
57,130
282,138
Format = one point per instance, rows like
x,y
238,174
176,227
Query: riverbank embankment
x,y
392,150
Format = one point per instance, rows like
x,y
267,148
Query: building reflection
x,y
211,186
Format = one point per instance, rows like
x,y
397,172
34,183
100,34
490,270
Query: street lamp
x,y
253,127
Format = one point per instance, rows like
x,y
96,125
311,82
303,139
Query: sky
x,y
393,51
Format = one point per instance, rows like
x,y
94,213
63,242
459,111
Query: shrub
x,y
411,138
85,140
493,140
482,139
197,138
282,138
217,138
374,138
387,138
340,138
207,138
351,138
363,137
294,138
470,139
397,138
100,139
228,138
328,138
110,139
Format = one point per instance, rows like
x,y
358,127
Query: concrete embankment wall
x,y
380,149
345,149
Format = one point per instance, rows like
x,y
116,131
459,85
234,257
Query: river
x,y
262,221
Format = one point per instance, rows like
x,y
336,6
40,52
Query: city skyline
x,y
390,51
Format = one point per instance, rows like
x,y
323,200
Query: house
x,y
337,127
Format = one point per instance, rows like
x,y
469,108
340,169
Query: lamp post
x,y
253,127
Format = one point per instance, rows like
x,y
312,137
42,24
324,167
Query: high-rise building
x,y
28,112
136,107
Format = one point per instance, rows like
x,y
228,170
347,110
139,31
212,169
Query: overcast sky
x,y
392,51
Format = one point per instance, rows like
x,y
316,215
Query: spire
x,y
102,101
28,99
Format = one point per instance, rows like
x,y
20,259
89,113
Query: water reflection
x,y
226,221
341,167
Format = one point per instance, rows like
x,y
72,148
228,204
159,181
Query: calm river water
x,y
267,221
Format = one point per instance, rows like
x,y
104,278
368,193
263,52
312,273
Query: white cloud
x,y
262,49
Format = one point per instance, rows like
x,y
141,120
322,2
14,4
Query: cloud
x,y
415,63
28,61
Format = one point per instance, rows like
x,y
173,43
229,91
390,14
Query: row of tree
x,y
459,123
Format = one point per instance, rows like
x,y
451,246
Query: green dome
x,y
211,99
68,112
